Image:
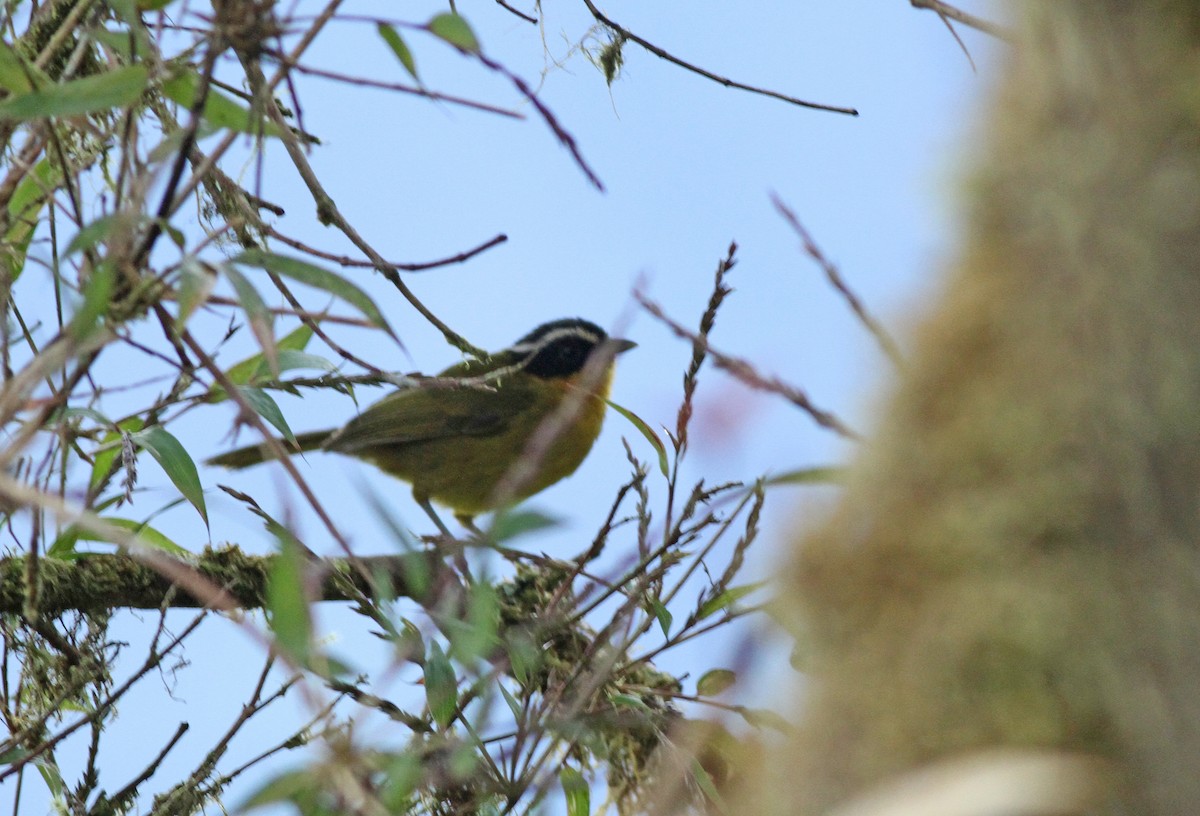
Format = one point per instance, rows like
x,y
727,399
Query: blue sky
x,y
688,166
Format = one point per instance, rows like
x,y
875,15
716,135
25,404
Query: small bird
x,y
456,445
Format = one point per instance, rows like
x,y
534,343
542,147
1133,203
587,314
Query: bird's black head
x,y
560,348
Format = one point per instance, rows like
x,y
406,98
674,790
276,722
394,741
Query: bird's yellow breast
x,y
464,472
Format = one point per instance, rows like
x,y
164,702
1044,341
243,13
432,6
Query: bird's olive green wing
x,y
422,415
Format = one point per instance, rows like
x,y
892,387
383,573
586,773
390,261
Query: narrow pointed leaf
x,y
646,431
290,616
112,89
399,48
176,463
576,790
441,687
317,277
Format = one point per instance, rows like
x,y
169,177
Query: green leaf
x,y
175,461
196,282
287,604
441,686
262,322
727,598
715,681
131,45
104,227
23,209
647,432
16,71
454,30
399,48
628,701
576,790
811,475
146,535
96,295
524,656
708,787
315,276
266,407
475,634
52,777
299,787
513,705
766,718
662,614
513,523
252,368
219,110
290,360
115,88
401,776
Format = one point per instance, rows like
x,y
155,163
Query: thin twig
x,y
744,371
885,341
960,16
696,69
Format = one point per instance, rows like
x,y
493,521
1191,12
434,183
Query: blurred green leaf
x,y
248,370
287,604
266,407
662,614
524,656
402,774
196,282
727,598
510,524
315,276
399,48
475,634
646,431
628,701
262,322
441,686
715,681
766,718
131,44
576,790
812,475
454,30
146,535
26,203
219,110
97,293
302,788
104,227
175,462
115,88
15,71
51,776
513,705
708,787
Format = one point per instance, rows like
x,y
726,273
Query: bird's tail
x,y
256,454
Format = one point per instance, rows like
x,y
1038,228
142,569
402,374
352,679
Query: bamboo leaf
x,y
175,462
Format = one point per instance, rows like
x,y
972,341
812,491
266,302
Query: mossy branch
x,y
105,581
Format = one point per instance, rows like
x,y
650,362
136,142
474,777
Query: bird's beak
x,y
619,346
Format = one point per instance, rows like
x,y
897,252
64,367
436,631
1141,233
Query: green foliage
x,y
515,678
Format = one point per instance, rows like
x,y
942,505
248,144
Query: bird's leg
x,y
460,558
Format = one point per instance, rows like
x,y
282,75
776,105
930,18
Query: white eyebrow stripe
x,y
552,336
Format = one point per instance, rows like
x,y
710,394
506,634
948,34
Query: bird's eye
x,y
561,358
